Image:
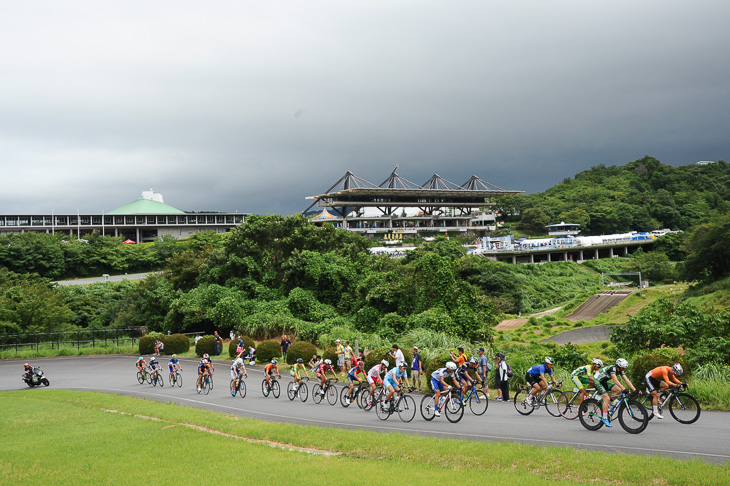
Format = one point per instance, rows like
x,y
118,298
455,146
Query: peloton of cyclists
x,y
659,380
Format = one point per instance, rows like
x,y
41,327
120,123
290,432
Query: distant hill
x,y
643,195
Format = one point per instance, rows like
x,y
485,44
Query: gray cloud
x,y
253,106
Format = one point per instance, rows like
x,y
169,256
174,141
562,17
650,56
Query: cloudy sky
x,y
251,106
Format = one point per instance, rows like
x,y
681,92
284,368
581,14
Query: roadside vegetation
x,y
179,441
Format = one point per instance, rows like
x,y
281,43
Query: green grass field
x,y
65,437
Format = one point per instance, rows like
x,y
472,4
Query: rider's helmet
x,y
622,363
328,362
153,359
273,361
205,356
174,356
474,360
384,362
401,364
451,365
549,360
300,360
140,359
677,369
598,362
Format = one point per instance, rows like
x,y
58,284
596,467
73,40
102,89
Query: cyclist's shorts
x,y
388,382
351,377
171,368
532,380
436,384
372,380
272,372
293,373
234,373
603,386
581,381
651,383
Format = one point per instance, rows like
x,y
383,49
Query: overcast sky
x,y
252,106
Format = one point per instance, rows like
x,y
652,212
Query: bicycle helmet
x,y
140,359
677,369
549,360
273,361
474,360
205,356
328,362
153,359
174,356
598,362
26,364
622,363
401,364
300,360
384,362
451,366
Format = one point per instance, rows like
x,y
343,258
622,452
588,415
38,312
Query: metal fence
x,y
77,338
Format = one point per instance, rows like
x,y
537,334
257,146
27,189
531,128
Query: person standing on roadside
x,y
484,367
349,354
218,343
396,354
416,368
501,380
285,343
340,350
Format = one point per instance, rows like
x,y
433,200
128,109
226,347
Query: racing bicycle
x,y
632,415
547,398
684,407
400,402
271,387
448,403
292,391
238,386
330,391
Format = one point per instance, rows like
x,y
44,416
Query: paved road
x,y
706,439
112,278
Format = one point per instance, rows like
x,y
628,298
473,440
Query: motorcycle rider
x,y
28,370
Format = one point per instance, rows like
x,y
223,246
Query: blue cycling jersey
x,y
394,374
540,369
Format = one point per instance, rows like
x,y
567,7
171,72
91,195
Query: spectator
x,y
233,334
316,361
460,359
218,343
312,362
416,368
239,346
251,356
159,346
285,343
197,338
396,354
340,357
484,367
501,380
349,356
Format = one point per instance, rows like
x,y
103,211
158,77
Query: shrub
x,y
659,357
377,355
176,344
300,349
330,354
569,357
206,345
147,342
268,350
233,345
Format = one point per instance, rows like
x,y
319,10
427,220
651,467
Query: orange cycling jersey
x,y
662,373
269,368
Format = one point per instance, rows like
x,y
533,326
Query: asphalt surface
x,y
707,439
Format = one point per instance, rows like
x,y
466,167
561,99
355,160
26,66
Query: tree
x,y
709,252
535,220
576,216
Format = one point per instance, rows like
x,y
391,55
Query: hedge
x,y
659,357
268,350
300,349
176,344
233,345
206,345
147,342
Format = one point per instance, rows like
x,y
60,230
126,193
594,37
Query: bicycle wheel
x,y
242,389
303,392
332,394
590,414
265,388
160,380
633,417
275,389
684,408
366,400
291,392
646,401
428,407
148,377
551,403
478,402
521,404
343,397
360,392
140,378
568,405
380,411
454,410
178,379
317,393
210,381
207,385
406,408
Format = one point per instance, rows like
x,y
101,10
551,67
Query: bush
x,y
659,357
330,354
206,345
176,344
233,345
569,357
300,349
147,342
434,364
377,355
268,350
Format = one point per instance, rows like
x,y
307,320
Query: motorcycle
x,y
35,378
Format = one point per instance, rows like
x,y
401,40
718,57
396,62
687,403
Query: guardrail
x,y
76,338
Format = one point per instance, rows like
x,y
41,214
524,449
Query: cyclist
x,y
583,377
238,368
374,376
204,368
535,377
173,365
269,371
394,379
462,377
352,376
322,370
155,367
296,373
438,384
660,377
142,366
606,379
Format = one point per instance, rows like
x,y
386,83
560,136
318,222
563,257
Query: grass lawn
x,y
65,437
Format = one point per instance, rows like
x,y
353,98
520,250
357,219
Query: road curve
x,y
706,439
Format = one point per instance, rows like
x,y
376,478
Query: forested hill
x,y
643,195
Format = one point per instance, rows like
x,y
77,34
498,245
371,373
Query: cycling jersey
x,y
154,365
323,368
581,376
269,369
442,373
392,375
662,373
297,369
351,375
606,372
374,374
461,372
171,365
540,369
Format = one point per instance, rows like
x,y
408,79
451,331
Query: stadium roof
x,y
145,206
